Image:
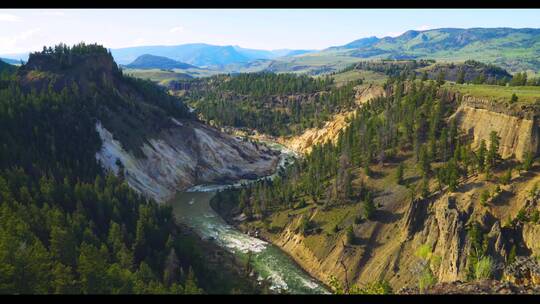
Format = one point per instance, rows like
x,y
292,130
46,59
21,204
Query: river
x,y
192,208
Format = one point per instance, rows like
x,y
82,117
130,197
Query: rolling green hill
x,y
513,49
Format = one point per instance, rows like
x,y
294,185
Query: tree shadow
x,y
386,217
377,174
411,180
523,177
468,187
363,241
502,198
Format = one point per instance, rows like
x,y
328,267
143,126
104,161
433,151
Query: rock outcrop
x,y
523,271
186,154
531,237
444,230
517,125
475,287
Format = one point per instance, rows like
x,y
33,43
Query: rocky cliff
x,y
183,155
386,247
517,125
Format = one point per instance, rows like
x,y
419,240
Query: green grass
x,y
368,76
500,93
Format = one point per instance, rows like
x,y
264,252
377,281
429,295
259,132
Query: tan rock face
x,y
531,237
444,231
187,154
518,130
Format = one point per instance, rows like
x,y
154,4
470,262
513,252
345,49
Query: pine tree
x,y
399,173
461,77
64,281
172,268
424,76
527,161
441,78
425,164
493,152
349,236
369,206
425,187
190,286
482,155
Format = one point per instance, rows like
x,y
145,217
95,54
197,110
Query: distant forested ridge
x,y
276,104
147,61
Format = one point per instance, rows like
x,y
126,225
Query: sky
x,y
27,30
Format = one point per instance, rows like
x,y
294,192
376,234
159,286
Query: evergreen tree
x,y
493,152
424,76
461,77
369,206
482,155
441,78
399,173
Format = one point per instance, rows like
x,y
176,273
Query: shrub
x,y
505,179
379,287
514,98
304,225
521,216
483,268
349,237
512,255
300,204
423,252
426,280
535,218
484,197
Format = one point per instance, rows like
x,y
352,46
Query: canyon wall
x,y
516,125
182,156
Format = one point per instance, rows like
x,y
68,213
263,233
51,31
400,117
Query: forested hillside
x,y
378,133
66,226
275,104
408,184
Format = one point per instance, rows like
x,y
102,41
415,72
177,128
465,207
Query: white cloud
x,y
9,18
176,29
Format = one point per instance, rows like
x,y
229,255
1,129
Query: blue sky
x,y
28,30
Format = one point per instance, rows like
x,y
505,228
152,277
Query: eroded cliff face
x,y
329,132
183,155
516,125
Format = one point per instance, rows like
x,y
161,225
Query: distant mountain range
x,y
200,54
513,49
148,61
6,67
10,61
